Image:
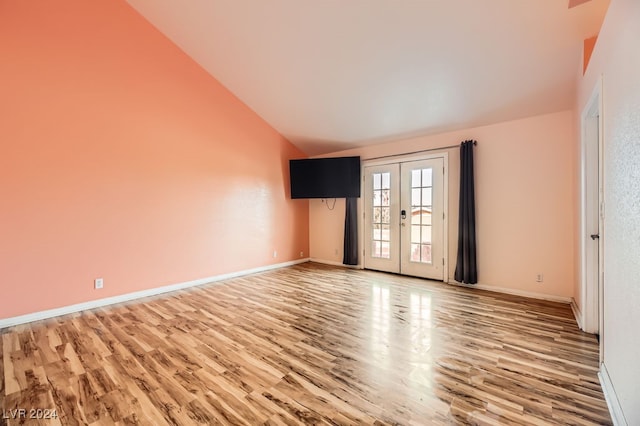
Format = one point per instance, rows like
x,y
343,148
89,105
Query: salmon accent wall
x,y
524,203
587,50
122,159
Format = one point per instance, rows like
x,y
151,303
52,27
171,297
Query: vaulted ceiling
x,y
335,74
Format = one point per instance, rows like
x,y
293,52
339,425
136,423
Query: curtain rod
x,y
417,152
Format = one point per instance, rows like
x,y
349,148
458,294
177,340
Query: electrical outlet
x,y
539,278
301,254
275,254
98,283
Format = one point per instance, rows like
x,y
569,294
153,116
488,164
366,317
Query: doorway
x,y
592,217
405,217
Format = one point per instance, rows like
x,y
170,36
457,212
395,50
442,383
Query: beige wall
x,y
525,199
617,59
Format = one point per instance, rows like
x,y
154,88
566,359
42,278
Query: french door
x,y
404,218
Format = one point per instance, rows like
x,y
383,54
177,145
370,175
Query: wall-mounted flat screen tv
x,y
337,177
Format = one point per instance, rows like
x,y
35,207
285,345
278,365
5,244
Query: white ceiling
x,y
334,74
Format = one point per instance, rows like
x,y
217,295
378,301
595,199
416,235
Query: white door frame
x,y
592,174
445,193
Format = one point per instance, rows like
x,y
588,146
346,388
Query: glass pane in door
x,y
381,216
421,220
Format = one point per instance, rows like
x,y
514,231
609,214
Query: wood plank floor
x,y
309,344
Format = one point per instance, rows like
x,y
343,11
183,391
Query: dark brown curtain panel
x,y
466,266
351,232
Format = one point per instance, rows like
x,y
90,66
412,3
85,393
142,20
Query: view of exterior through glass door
x,y
404,218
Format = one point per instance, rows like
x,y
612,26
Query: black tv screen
x,y
337,177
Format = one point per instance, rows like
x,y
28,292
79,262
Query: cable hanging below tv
x,y
336,177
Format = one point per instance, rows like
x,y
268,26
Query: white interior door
x,y
592,227
592,219
404,218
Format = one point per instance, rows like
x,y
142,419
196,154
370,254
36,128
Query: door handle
x,y
595,236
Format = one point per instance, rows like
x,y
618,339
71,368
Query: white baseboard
x,y
532,295
615,409
37,316
334,263
577,313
